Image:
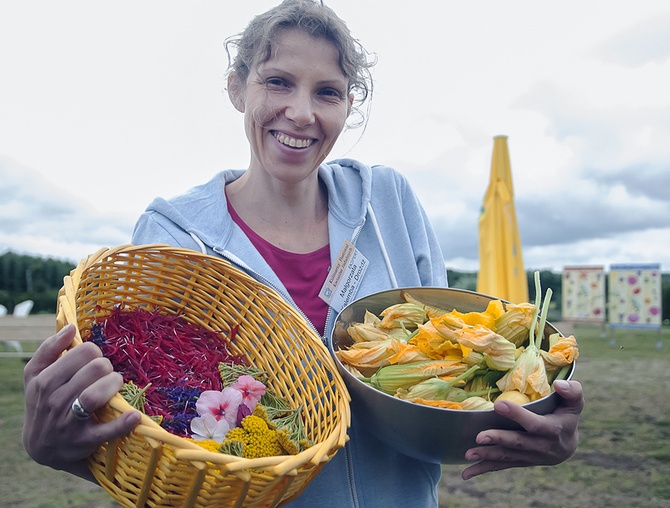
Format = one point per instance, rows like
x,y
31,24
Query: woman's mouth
x,y
290,141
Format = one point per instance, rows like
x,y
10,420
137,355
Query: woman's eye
x,y
331,93
275,83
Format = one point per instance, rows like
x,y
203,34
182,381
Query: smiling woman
x,y
306,228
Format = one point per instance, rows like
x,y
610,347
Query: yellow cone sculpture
x,y
501,269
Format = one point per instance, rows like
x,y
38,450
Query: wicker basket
x,y
152,467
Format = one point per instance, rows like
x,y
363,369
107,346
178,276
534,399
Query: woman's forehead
x,y
298,48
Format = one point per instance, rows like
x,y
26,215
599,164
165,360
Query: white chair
x,y
3,310
22,309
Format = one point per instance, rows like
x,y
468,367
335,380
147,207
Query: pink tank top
x,y
302,274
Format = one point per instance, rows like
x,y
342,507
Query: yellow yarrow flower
x,y
207,444
258,439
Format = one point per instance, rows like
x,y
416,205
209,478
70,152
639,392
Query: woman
x,y
296,77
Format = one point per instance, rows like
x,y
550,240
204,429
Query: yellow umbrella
x,y
501,270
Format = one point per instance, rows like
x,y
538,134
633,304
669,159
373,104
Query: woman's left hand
x,y
547,440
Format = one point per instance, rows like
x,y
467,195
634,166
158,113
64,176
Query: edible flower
x,y
256,438
435,345
498,351
431,310
494,310
562,351
514,324
402,315
436,388
388,379
529,374
251,390
207,427
374,353
220,404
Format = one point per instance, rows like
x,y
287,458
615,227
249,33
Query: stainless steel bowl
x,y
426,433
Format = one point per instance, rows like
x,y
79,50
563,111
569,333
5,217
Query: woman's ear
x,y
236,91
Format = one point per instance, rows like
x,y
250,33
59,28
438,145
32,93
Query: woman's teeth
x,y
292,142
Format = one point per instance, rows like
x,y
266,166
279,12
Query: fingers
x,y
119,427
55,387
49,351
487,467
572,395
98,393
546,439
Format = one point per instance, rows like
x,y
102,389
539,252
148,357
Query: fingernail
x,y
561,384
483,440
502,407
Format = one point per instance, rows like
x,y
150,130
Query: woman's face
x,y
295,106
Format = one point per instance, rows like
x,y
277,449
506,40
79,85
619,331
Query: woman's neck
x,y
291,217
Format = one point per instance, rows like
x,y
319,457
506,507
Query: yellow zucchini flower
x,y
434,344
366,332
498,351
402,315
435,388
528,376
388,379
407,353
444,404
368,354
487,318
562,351
515,323
476,404
431,310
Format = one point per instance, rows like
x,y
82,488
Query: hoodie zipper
x,y
329,317
349,463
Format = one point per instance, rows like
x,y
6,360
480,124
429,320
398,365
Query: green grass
x,y
623,458
24,483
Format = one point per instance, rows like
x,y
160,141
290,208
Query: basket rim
x,y
182,447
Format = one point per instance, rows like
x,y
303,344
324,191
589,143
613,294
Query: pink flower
x,y
221,405
208,427
251,390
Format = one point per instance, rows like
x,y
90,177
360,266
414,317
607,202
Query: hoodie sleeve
x,y
406,228
152,227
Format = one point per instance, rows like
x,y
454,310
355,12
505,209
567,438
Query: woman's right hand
x,y
52,435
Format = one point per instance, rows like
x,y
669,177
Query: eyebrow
x,y
336,82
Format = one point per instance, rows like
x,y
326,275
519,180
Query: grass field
x,y
623,458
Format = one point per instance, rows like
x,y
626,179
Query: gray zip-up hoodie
x,y
377,211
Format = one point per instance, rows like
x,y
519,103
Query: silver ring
x,y
78,410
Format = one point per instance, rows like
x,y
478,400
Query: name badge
x,y
344,277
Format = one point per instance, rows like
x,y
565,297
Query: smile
x,y
292,142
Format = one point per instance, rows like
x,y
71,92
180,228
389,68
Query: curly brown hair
x,y
255,44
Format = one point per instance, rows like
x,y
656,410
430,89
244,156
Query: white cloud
x,y
104,107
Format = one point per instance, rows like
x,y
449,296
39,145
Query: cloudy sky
x,y
105,105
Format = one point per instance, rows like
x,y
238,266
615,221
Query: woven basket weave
x,y
152,467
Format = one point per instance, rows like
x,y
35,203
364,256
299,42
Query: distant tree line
x,y
38,279
24,277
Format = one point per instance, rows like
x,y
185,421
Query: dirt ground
x,y
623,459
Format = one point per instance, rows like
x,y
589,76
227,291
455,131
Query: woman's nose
x,y
300,109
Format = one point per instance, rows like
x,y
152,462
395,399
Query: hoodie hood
x,y
347,181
